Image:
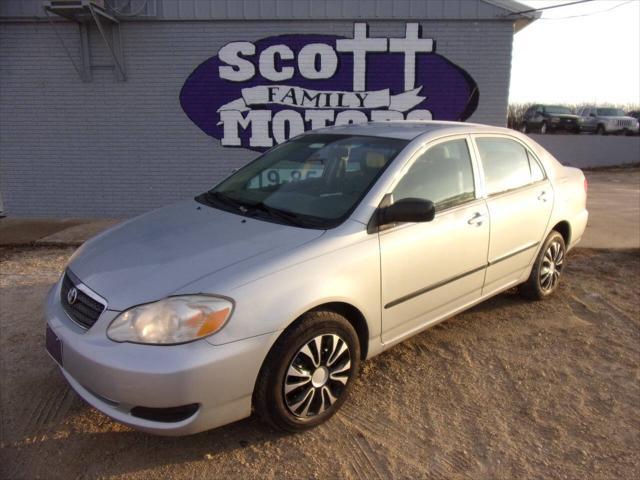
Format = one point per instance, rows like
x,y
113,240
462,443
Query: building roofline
x,y
521,20
249,10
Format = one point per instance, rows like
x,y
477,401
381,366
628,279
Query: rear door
x,y
519,200
432,268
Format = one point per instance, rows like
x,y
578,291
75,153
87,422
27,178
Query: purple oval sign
x,y
257,94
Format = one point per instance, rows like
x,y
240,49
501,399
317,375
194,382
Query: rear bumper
x,y
116,377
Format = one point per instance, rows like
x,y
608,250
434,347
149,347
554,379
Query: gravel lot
x,y
510,389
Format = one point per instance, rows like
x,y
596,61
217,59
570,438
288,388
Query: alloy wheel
x,y
552,264
317,375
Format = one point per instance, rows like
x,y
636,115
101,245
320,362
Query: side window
x,y
443,174
505,163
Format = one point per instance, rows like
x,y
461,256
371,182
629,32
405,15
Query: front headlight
x,y
172,320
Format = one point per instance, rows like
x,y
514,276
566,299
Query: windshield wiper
x,y
288,217
219,197
249,208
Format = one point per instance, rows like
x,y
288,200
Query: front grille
x,y
85,311
624,123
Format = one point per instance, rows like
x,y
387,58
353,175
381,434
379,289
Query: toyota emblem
x,y
72,296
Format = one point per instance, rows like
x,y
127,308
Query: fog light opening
x,y
166,415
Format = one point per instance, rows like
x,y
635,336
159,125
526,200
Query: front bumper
x,y
116,377
564,126
615,128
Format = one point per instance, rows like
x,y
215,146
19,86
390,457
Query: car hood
x,y
563,115
152,256
616,117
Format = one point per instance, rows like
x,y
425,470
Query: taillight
x,y
586,186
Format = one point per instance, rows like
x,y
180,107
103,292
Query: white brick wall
x,y
109,149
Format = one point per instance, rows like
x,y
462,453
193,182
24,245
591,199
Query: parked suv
x,y
549,118
605,120
635,114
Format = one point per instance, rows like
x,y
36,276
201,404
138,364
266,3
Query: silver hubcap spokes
x,y
317,375
552,265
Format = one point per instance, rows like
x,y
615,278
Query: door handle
x,y
477,219
543,196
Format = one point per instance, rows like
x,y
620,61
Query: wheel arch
x,y
355,317
349,311
564,228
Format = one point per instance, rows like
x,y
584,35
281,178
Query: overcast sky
x,y
592,57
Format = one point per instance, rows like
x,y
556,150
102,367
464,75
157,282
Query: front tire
x,y
547,269
600,130
543,128
308,373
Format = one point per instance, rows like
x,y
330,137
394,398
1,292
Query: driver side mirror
x,y
405,210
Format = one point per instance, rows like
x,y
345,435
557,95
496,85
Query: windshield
x,y
312,181
559,110
610,112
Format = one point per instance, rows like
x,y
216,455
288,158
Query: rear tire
x,y
300,385
547,269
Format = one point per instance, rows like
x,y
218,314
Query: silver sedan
x,y
267,292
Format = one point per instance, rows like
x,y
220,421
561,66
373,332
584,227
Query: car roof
x,y
409,129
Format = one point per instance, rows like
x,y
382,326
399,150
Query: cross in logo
x,y
361,43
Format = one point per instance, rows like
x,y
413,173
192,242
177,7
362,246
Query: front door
x,y
430,269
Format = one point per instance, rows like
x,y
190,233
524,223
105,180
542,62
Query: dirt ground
x,y
510,389
613,202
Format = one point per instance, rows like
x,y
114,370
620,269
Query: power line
x,y
589,14
549,7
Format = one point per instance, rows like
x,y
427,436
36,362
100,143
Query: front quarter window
x,y
314,181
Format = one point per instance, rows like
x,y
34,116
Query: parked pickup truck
x,y
606,120
549,118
